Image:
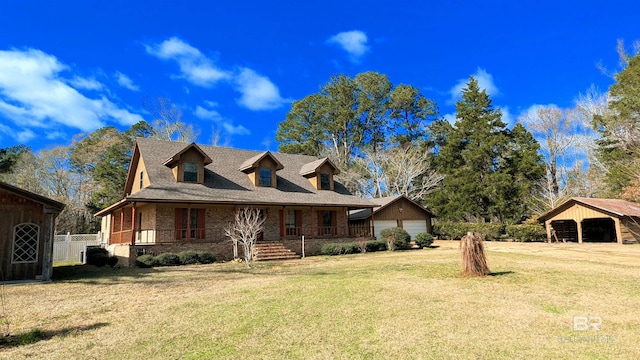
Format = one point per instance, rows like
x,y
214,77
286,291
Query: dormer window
x,y
188,164
262,169
265,177
320,173
190,172
141,179
325,181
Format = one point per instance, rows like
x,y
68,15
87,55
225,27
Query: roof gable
x,y
56,205
254,162
176,157
312,167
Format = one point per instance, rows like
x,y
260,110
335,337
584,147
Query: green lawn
x,y
401,305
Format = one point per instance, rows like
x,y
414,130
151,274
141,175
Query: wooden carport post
x,y
616,221
579,222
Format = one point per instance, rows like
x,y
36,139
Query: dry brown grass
x,y
410,304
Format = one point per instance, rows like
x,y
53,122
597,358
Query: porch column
x,y
188,223
345,212
373,227
579,221
283,230
313,230
616,221
121,223
133,224
112,227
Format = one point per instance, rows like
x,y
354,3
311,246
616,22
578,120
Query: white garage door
x,y
414,227
380,225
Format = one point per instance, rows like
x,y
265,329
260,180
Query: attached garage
x,y
379,225
414,227
593,220
395,211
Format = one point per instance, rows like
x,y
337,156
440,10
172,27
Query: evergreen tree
x,y
619,145
488,169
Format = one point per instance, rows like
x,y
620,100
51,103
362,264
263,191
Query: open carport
x,y
593,220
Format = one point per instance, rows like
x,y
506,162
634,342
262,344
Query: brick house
x,y
182,196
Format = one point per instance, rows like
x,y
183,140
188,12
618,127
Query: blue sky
x,y
68,67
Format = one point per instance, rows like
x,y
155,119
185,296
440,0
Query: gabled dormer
x,y
262,169
320,173
188,164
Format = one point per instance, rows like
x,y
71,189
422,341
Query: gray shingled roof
x,y
225,183
311,167
380,204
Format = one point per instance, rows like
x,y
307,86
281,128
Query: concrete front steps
x,y
272,250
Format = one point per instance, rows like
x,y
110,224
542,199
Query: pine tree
x,y
488,169
619,145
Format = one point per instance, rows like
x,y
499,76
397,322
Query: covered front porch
x,y
140,224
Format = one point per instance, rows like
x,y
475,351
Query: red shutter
x,y
201,213
334,222
178,224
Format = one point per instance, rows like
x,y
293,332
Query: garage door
x,y
414,227
380,225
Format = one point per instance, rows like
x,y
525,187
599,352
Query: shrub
x,y
206,257
167,259
145,261
456,230
424,239
97,256
112,261
188,257
98,260
376,245
339,248
525,233
396,238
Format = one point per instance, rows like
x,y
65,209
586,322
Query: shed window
x,y
325,181
25,243
190,172
265,177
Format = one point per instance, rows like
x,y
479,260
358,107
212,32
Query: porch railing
x,y
149,236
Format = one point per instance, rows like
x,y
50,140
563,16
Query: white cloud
x,y
229,128
205,114
194,66
34,93
258,92
507,117
353,42
87,84
126,82
451,118
485,81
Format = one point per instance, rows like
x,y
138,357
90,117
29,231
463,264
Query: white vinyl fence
x,y
69,247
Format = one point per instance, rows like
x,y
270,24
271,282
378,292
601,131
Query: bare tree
x,y
408,171
248,224
167,121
